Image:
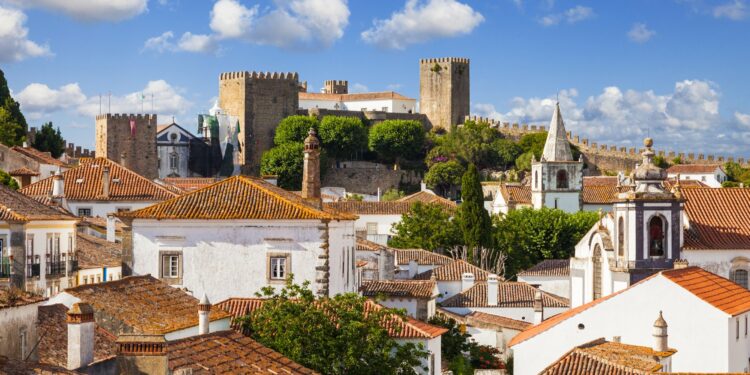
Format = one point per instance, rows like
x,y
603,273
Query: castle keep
x,y
260,101
444,90
130,140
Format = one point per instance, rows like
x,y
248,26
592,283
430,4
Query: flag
x,y
132,127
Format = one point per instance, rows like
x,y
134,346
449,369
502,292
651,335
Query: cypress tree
x,y
473,218
13,125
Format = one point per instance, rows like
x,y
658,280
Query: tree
x,y
507,152
294,129
443,176
523,162
392,195
660,162
7,180
475,224
50,140
397,139
343,137
426,226
286,162
533,142
13,125
338,335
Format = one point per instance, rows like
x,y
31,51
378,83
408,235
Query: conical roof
x,y
557,148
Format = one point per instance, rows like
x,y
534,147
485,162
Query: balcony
x,y
33,270
55,268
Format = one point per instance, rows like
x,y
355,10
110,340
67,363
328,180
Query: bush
x,y
397,139
392,195
286,162
485,357
294,129
342,137
443,176
7,180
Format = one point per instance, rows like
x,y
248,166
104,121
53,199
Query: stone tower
x,y
129,140
311,170
260,101
444,90
336,87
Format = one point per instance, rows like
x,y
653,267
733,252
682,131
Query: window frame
x,y
562,179
287,257
88,209
171,279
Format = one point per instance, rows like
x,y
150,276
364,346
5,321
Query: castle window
x,y
656,237
562,179
621,237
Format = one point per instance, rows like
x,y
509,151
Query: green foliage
x,y
49,140
736,175
299,326
533,142
507,152
461,366
397,139
677,160
294,129
528,236
730,184
286,162
13,125
454,342
355,197
473,143
509,365
660,162
523,162
442,176
392,195
436,68
7,180
342,137
485,357
425,226
472,217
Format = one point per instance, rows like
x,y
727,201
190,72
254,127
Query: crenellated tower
x,y
444,90
336,87
130,140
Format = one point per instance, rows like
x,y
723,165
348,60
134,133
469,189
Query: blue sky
x,y
674,69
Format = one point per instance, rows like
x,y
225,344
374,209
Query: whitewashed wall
x,y
525,314
18,331
102,208
433,346
716,261
557,285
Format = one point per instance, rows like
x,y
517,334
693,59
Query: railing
x,y
56,268
4,268
33,270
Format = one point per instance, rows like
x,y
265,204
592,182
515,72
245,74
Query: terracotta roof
x,y
15,206
685,184
399,288
237,198
84,183
496,320
719,218
423,257
370,208
93,252
453,271
188,184
509,294
694,168
144,304
228,352
721,293
352,97
600,189
427,197
17,298
612,358
9,366
549,267
23,171
361,263
53,337
365,245
516,193
39,156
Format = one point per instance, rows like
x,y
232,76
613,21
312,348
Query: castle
x,y
130,140
444,90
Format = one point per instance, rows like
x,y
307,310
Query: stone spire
x,y
311,170
557,148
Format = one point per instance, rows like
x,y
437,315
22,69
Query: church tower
x,y
557,179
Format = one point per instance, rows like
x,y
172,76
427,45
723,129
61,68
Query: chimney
x,y
142,354
105,181
680,264
492,293
311,170
204,309
413,268
660,334
538,307
467,281
124,160
617,339
111,228
81,328
58,185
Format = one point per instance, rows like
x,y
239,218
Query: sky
x,y
675,70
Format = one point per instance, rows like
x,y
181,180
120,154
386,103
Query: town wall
x,y
132,148
367,180
444,85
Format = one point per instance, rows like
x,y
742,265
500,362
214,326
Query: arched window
x,y
596,259
536,179
621,237
657,237
740,277
562,179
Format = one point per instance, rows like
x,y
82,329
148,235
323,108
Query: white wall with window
x,y
379,228
732,264
102,208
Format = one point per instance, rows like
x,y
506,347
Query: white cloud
x,y
89,10
167,101
231,19
358,87
161,43
640,33
734,10
571,16
38,99
742,118
394,86
189,42
422,21
14,42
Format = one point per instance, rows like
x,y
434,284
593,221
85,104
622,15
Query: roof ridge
x,y
311,210
117,165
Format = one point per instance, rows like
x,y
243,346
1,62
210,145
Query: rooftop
x,y
370,208
694,168
84,183
423,257
453,271
718,218
516,193
428,197
39,156
188,184
509,294
17,298
53,334
9,366
477,317
399,288
238,198
365,245
549,267
93,252
144,304
15,206
23,171
603,357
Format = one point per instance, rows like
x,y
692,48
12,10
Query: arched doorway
x,y
596,259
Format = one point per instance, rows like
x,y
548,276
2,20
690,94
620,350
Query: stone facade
x,y
134,147
444,90
260,101
368,180
336,87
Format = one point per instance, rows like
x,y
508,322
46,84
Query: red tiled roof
x,y
53,343
721,293
600,189
365,245
719,218
516,193
15,367
399,288
549,267
352,97
15,206
84,183
477,317
427,197
17,298
93,252
423,257
188,184
39,156
238,198
23,171
453,272
611,358
228,352
685,184
694,168
370,208
509,294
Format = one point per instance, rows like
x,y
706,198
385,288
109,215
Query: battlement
x,y
336,82
118,116
289,76
460,60
336,87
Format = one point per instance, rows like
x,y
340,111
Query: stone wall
x,y
11,160
260,101
367,179
132,148
444,85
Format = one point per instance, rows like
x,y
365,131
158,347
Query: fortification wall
x,y
444,89
368,180
134,148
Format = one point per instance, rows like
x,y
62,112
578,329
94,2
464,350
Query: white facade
x,y
379,228
98,275
226,259
712,179
524,314
173,150
434,359
18,330
103,208
410,305
382,105
557,285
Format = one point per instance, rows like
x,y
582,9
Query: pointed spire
x,y
557,148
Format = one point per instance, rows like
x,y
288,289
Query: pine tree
x,y
13,125
473,218
49,139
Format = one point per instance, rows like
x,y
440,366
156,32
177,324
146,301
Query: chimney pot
x,y
467,281
105,181
538,306
204,309
81,327
492,290
660,334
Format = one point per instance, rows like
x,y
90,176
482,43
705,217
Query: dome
x,y
660,322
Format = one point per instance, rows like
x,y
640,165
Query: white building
x,y
98,187
98,260
417,297
707,317
551,275
18,324
375,220
710,174
454,277
173,145
46,165
387,101
487,329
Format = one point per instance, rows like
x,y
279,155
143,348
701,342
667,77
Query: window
x,y
703,178
174,160
85,280
278,268
70,243
562,179
656,237
121,210
372,228
737,325
740,277
84,212
556,200
621,237
30,256
171,266
536,179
